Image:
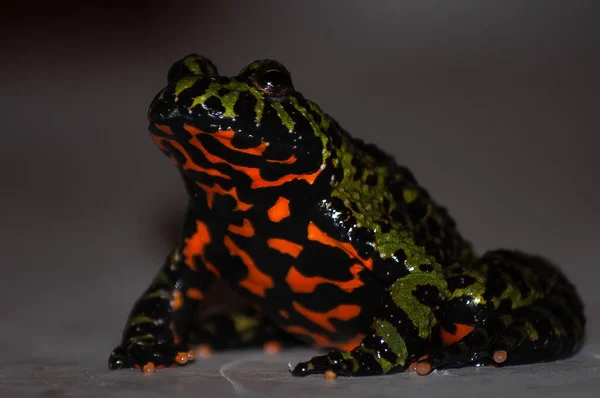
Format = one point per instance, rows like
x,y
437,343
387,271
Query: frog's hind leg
x,y
397,336
550,329
537,317
246,328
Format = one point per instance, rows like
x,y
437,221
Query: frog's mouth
x,y
228,155
245,144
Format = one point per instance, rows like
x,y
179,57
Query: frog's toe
x,y
338,362
316,365
343,363
149,357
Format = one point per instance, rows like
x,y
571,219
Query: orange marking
x,y
245,230
194,246
194,294
500,356
330,375
315,234
299,283
280,210
344,312
148,368
217,189
225,137
176,337
191,355
204,351
177,301
252,172
256,281
423,368
189,163
324,342
351,344
292,159
182,358
272,347
461,331
164,128
284,314
285,246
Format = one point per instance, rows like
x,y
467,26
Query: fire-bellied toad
x,y
331,242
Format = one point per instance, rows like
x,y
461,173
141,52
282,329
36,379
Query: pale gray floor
x,y
493,104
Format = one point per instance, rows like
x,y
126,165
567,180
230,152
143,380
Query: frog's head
x,y
251,131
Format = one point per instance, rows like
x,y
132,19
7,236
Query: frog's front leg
x,y
156,330
398,335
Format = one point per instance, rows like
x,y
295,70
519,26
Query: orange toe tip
x,y
423,368
330,375
272,347
204,351
191,355
181,358
148,368
412,368
500,356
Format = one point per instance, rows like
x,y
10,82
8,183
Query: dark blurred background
x,y
493,104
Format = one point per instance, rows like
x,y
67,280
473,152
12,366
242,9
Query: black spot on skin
x,y
377,344
417,211
244,113
359,168
400,256
386,227
426,267
354,207
427,294
174,152
400,320
505,306
215,106
386,205
433,228
371,180
460,282
495,284
361,239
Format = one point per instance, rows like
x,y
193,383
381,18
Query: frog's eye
x,y
269,77
191,65
276,80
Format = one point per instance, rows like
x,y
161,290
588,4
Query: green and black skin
x,y
332,243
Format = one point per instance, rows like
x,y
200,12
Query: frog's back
x,y
412,208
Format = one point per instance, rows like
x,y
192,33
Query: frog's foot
x,y
148,357
524,337
473,347
357,362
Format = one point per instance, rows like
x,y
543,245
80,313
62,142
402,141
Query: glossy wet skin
x,y
256,135
274,126
332,243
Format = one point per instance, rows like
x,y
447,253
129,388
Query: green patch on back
x,y
421,315
394,341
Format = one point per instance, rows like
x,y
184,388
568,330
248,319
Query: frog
x,y
331,243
